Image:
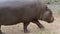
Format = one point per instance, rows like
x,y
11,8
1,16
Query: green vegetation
x,y
40,32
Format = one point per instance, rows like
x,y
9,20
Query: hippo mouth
x,y
50,21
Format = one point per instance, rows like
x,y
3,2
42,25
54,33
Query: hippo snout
x,y
51,21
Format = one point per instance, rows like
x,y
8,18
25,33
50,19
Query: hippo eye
x,y
46,8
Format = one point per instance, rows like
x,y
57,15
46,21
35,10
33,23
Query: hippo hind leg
x,y
38,24
25,27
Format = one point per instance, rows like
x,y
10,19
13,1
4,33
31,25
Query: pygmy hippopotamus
x,y
16,11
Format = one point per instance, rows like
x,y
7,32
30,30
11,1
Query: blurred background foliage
x,y
50,1
54,5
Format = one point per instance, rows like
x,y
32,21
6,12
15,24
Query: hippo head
x,y
46,15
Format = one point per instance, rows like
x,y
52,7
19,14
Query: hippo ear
x,y
46,8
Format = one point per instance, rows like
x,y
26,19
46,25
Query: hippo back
x,y
14,11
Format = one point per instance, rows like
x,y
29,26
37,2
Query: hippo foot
x,y
26,31
42,27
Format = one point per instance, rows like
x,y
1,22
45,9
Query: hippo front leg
x,y
38,24
25,27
